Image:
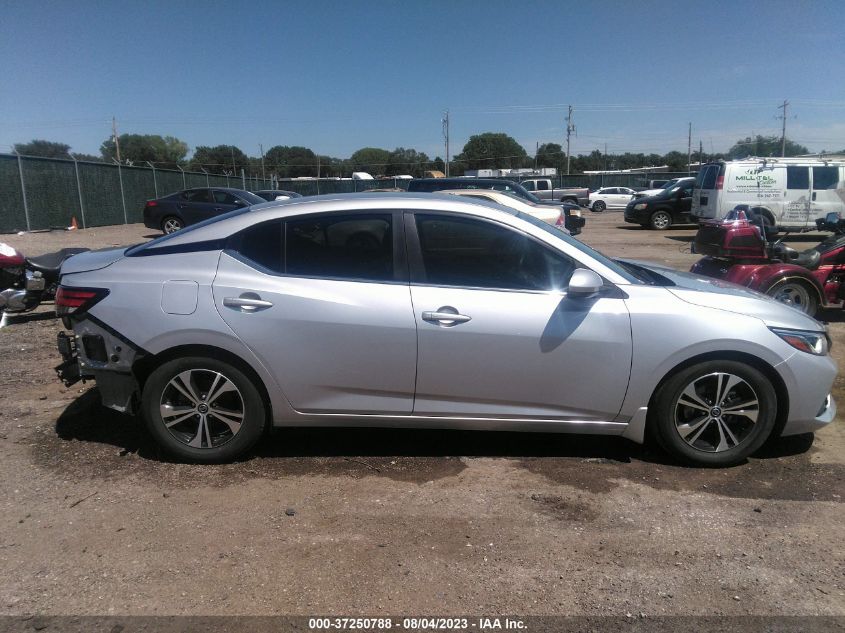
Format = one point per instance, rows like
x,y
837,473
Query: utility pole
x,y
689,149
783,133
700,153
116,140
570,128
445,122
536,151
261,147
232,151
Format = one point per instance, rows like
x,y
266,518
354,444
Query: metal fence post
x,y
155,184
122,196
78,189
23,192
207,183
184,186
243,179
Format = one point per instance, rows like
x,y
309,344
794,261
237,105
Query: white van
x,y
789,193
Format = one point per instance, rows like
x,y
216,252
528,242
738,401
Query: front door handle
x,y
247,302
446,316
814,196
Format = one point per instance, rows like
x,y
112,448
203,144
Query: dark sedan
x,y
173,212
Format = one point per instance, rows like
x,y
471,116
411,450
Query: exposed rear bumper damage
x,y
96,352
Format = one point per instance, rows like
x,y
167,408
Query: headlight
x,y
811,342
640,206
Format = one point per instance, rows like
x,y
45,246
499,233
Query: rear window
x,y
706,178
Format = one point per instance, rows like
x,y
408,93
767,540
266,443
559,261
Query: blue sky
x,y
338,76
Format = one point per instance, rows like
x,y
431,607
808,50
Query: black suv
x,y
660,211
573,224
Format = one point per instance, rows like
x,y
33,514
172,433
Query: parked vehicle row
x,y
436,312
547,213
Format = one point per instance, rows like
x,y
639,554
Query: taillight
x,y
720,182
74,300
152,203
559,220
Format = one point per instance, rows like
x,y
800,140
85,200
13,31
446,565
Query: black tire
x,y
598,206
766,218
660,220
171,224
217,441
797,293
670,417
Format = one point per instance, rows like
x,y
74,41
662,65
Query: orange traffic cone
x,y
73,225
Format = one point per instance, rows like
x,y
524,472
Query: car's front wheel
x,y
715,413
660,220
203,409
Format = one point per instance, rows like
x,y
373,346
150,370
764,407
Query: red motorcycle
x,y
739,249
25,282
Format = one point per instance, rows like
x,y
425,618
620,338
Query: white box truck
x,y
789,193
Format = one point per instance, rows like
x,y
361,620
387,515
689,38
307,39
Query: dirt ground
x,y
94,521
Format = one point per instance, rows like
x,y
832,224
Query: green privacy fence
x,y
42,193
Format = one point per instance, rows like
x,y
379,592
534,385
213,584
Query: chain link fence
x,y
43,193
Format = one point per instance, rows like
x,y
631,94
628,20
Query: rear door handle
x,y
814,196
446,316
247,302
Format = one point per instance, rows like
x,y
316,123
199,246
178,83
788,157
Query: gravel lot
x,y
93,520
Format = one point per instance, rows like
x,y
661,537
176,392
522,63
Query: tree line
x,y
490,150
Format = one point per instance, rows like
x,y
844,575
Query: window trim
x,y
417,267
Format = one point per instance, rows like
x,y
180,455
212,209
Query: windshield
x,y
670,183
623,272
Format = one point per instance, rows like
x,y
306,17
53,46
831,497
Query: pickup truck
x,y
543,189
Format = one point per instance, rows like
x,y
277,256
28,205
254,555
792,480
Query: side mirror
x,y
584,283
240,203
832,217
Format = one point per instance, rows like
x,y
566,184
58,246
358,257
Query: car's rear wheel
x,y
203,409
715,413
599,206
171,224
798,294
660,220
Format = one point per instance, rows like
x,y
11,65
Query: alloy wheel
x,y
171,225
202,408
661,220
716,412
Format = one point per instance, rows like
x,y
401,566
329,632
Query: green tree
x,y
372,160
47,149
139,148
291,162
220,159
437,165
407,161
492,150
764,146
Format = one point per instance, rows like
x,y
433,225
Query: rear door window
x,y
197,195
262,244
798,178
343,246
706,178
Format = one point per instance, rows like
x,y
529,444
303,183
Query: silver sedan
x,y
428,311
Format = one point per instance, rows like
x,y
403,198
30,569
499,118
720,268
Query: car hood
x,y
92,260
722,295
